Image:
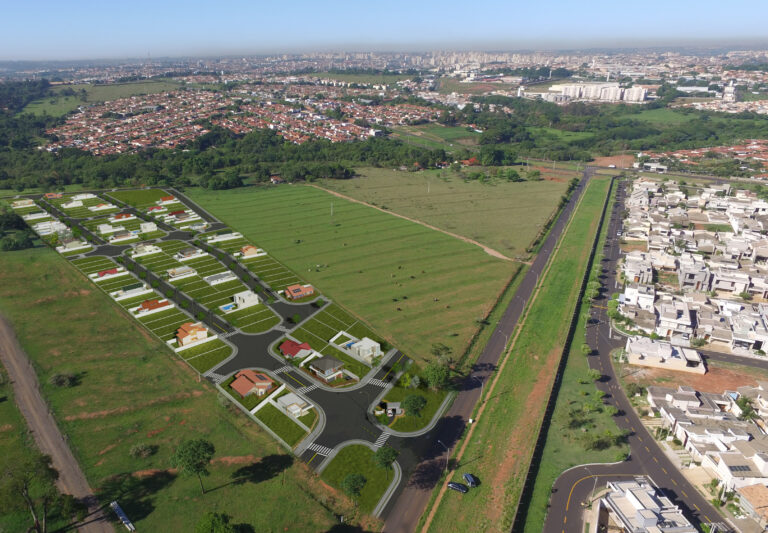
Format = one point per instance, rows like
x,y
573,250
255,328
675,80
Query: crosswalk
x,y
320,449
284,369
381,440
308,388
214,377
378,383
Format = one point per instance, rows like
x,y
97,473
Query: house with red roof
x,y
249,382
296,292
151,305
190,332
107,272
294,350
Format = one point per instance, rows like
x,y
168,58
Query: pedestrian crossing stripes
x,y
308,388
320,449
283,369
378,383
381,440
216,378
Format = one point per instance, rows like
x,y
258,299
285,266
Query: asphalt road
x,y
575,486
404,513
42,425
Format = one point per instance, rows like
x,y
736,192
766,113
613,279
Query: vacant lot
x,y
436,136
664,117
358,459
499,450
139,197
61,105
131,390
413,285
503,215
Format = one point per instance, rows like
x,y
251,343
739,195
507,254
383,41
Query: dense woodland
x,y
512,128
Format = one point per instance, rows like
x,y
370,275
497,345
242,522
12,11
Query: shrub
x,y
142,451
63,380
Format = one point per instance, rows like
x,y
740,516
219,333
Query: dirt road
x,y
490,251
44,429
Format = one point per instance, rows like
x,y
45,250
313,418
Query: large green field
x,y
414,286
131,391
664,116
358,459
438,137
61,105
501,444
503,215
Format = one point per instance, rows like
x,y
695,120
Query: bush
x,y
142,451
63,380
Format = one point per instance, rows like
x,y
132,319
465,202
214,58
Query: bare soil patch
x,y
621,161
716,380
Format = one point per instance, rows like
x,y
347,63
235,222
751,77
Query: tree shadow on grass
x,y
267,468
135,494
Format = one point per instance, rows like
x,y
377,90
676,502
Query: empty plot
x,y
140,198
414,286
82,211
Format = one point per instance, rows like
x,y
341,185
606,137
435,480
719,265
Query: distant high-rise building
x,y
731,93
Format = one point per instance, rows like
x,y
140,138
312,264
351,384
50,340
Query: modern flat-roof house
x,y
637,506
190,332
249,382
246,299
295,350
178,272
643,351
148,227
366,349
221,277
72,204
327,368
296,292
293,405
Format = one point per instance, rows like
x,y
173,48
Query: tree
x,y
30,483
413,404
384,457
352,485
192,458
747,411
436,375
214,523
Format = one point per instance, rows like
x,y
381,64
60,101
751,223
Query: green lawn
x,y
437,136
139,197
664,116
134,391
565,445
281,424
506,430
358,459
562,135
412,285
58,105
443,199
413,423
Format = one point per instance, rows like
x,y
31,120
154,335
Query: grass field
x,y
139,198
61,105
281,424
453,85
413,423
133,391
414,286
503,215
664,116
561,135
438,137
82,211
358,459
564,446
500,446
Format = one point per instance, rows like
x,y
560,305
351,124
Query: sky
x,y
87,29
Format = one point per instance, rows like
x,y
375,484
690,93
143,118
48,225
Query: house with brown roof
x,y
296,292
251,251
190,332
754,500
327,368
151,305
249,382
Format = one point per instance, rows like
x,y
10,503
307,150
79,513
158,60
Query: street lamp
x,y
447,453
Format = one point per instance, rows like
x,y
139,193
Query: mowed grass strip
x,y
503,215
503,437
281,424
134,391
414,286
565,444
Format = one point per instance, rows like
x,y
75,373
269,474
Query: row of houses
x,y
698,264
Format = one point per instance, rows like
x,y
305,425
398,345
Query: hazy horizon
x,y
87,30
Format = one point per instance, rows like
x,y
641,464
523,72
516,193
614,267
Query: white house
x,y
84,196
246,299
148,227
366,349
72,204
642,351
293,405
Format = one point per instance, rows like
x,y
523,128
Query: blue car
x,y
458,487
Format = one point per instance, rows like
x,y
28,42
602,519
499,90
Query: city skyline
x,y
173,29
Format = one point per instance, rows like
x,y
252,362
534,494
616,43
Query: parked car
x,y
458,487
471,480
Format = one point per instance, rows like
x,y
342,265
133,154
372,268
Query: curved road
x,y
575,486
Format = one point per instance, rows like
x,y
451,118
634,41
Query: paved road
x,y
646,458
45,431
404,513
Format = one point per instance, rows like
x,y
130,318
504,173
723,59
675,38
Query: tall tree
x,y
353,484
384,457
192,457
30,483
